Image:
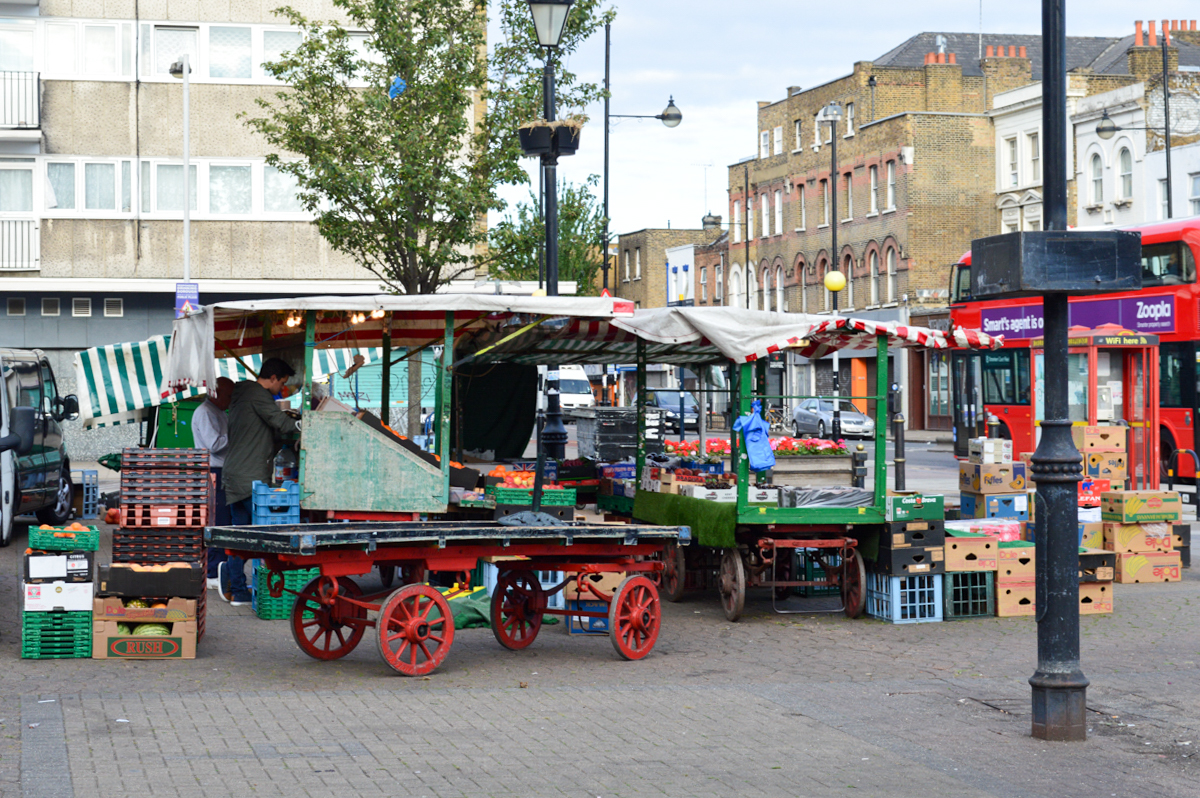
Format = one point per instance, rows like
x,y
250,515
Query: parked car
x,y
815,417
668,401
37,481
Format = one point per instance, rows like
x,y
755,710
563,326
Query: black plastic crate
x,y
909,534
911,561
969,594
1096,565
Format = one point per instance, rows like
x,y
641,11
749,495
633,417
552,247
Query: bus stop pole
x,y
1059,686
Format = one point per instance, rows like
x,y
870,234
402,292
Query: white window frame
x,y
1194,198
704,285
764,203
37,182
1033,141
802,188
1125,178
117,308
764,144
1163,195
719,286
891,258
830,130
798,126
1012,165
891,187
825,210
873,174
1096,179
778,136
735,223
779,212
849,197
849,121
848,271
780,296
637,263
816,131
873,275
81,307
626,265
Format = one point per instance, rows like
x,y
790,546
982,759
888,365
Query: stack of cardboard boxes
x,y
57,588
1138,528
151,602
991,484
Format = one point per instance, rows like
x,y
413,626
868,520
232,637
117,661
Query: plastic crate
x,y
621,505
552,497
89,481
64,539
811,571
905,599
56,635
547,579
969,594
275,505
266,606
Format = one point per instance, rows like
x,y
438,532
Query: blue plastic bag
x,y
756,433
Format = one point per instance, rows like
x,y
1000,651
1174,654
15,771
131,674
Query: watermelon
x,y
124,629
137,604
156,629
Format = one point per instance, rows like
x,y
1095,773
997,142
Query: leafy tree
x,y
515,243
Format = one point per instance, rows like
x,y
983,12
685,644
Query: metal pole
x,y
187,177
554,436
1167,125
607,88
833,225
899,459
1059,686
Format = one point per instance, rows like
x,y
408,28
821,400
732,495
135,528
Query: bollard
x,y
859,461
898,459
993,427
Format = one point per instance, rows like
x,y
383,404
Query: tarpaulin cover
x,y
712,523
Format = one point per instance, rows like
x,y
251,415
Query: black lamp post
x,y
671,117
549,21
835,281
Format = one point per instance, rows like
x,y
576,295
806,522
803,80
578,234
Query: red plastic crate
x,y
164,516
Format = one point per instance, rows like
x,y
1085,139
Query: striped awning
x,y
121,383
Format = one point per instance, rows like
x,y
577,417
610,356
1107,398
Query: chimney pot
x,y
1012,51
1138,41
1153,35
928,56
1166,32
953,58
1022,51
941,58
1193,25
1174,24
990,51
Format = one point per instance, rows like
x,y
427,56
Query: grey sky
x,y
719,58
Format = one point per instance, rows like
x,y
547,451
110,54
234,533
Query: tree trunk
x,y
414,395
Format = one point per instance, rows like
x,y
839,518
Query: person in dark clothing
x,y
255,424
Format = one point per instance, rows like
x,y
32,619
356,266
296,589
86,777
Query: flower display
x,y
716,448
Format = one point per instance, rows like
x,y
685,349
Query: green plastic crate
x,y
969,594
56,635
551,497
57,620
622,505
812,572
64,540
268,608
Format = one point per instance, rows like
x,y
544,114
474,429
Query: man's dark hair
x,y
274,367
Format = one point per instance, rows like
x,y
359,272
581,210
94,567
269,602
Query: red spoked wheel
x,y
325,625
415,630
731,584
854,583
634,617
674,571
517,606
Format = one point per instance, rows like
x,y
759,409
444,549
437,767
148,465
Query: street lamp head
x,y
550,20
831,113
872,82
671,115
176,69
1106,128
835,281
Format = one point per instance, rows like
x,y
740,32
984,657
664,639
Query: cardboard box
x,y
587,625
619,471
1014,506
906,534
1099,438
989,451
109,608
1090,491
762,495
1140,506
108,643
1113,466
50,596
725,495
1091,536
1014,599
999,528
1158,566
1095,598
911,505
1015,562
606,583
910,561
1097,565
1138,537
970,551
1089,515
989,479
180,579
41,567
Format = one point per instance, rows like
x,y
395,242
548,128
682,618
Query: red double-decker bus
x,y
1004,382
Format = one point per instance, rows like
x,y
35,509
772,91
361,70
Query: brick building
x,y
641,273
916,159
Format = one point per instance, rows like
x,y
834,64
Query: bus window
x,y
1168,264
1006,377
960,283
1172,368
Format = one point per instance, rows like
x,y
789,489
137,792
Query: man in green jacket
x,y
255,424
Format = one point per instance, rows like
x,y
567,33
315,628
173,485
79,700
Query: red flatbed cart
x,y
415,628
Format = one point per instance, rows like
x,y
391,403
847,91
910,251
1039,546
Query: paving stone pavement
x,y
773,705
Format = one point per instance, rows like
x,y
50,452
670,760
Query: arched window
x,y
719,287
1097,180
735,286
765,289
1125,159
891,274
821,276
779,297
848,270
873,276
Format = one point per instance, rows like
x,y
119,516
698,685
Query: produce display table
x,y
415,627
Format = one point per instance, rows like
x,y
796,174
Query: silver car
x,y
815,417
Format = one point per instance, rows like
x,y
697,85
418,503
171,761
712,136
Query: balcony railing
x,y
19,105
20,245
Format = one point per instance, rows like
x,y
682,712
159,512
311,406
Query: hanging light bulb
x,y
377,314
294,320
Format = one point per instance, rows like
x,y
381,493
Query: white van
x,y
574,388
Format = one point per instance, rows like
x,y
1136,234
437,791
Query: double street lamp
x,y
834,280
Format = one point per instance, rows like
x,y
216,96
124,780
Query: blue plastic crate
x,y
905,599
548,580
275,505
707,468
587,625
89,482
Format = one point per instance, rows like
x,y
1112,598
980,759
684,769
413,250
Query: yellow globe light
x,y
835,281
